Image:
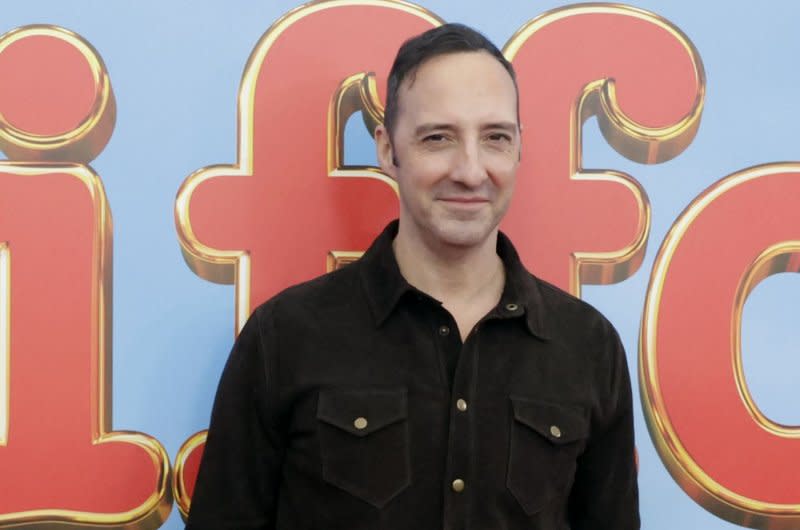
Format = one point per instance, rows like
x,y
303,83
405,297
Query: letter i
x,y
60,461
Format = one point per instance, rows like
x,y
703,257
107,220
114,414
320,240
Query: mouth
x,y
461,206
464,200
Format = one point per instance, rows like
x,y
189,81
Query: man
x,y
434,383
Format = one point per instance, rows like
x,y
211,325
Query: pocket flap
x,y
362,411
558,423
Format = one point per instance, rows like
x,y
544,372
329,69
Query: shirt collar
x,y
380,275
522,291
384,285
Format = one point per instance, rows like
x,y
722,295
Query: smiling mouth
x,y
464,205
464,200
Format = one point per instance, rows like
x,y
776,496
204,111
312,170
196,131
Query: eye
x,y
499,137
434,139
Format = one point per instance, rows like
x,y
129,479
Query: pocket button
x,y
546,441
363,441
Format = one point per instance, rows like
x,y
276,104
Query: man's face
x,y
457,143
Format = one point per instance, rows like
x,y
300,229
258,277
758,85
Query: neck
x,y
452,274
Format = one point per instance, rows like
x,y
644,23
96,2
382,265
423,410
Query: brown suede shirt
x,y
350,402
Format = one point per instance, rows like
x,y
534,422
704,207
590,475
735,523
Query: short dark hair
x,y
441,40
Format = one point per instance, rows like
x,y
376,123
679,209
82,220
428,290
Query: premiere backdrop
x,y
231,147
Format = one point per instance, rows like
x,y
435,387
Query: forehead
x,y
458,87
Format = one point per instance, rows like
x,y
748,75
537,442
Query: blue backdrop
x,y
176,68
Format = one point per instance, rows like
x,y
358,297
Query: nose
x,y
469,169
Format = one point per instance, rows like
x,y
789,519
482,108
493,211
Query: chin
x,y
464,234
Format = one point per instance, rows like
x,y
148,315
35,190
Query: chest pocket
x,y
363,436
546,440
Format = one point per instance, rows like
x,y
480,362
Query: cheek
x,y
503,171
422,173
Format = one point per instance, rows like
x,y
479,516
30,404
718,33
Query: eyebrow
x,y
428,127
502,125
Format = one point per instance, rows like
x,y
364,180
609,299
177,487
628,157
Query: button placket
x,y
458,497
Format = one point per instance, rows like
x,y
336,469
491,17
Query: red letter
x,y
722,450
572,225
60,461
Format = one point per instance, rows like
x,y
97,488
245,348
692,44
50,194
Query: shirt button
x,y
458,485
461,405
360,423
444,331
511,307
555,431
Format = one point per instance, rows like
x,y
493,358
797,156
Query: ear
x,y
383,146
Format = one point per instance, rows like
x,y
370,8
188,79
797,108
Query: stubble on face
x,y
456,143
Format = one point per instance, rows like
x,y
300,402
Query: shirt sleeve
x,y
605,494
238,480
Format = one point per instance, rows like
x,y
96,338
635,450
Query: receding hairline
x,y
440,41
411,75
